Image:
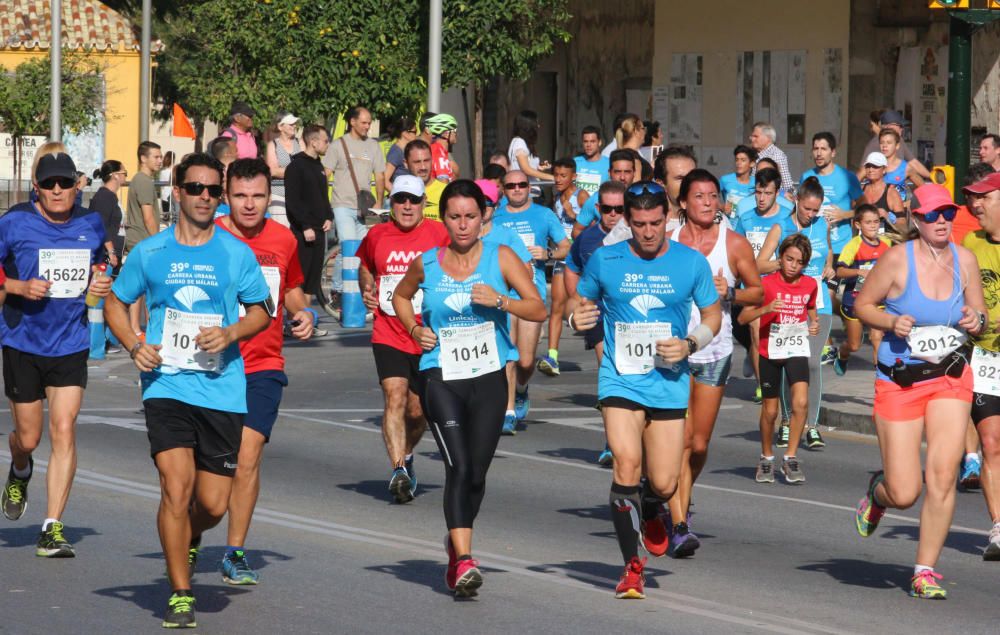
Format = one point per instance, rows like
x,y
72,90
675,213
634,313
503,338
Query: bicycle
x,y
327,298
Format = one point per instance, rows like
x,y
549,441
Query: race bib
x,y
860,282
985,372
387,288
788,340
821,292
272,276
527,239
588,182
468,351
635,346
934,343
66,269
179,348
756,241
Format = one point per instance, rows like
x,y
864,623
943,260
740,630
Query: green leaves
x,y
24,96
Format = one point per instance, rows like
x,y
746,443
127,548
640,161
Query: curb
x,y
851,422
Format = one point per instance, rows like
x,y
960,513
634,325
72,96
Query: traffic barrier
x,y
352,306
95,316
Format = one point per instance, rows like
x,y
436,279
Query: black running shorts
x,y
796,368
26,376
652,414
392,362
213,434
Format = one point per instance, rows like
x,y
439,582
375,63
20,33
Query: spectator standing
x,y
653,142
989,151
521,151
105,202
308,205
166,176
763,139
403,131
278,155
142,218
240,129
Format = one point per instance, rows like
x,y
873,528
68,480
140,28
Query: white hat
x,y
877,159
288,119
407,183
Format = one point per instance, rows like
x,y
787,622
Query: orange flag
x,y
182,125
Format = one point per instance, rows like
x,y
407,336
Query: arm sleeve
x,y
131,281
146,192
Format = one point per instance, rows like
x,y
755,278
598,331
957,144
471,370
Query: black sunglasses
x,y
514,186
406,197
612,209
932,216
195,189
64,183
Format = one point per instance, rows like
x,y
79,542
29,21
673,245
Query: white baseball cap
x,y
288,119
877,159
407,183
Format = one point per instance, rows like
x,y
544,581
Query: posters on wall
x,y
771,86
921,95
684,99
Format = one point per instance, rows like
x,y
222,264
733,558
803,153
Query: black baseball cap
x,y
890,117
242,108
55,165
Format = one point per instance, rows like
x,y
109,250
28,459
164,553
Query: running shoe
x,y
924,586
828,356
792,471
869,513
193,549
971,468
180,612
840,366
14,498
509,425
757,397
784,432
654,536
522,403
451,573
632,581
605,458
408,464
683,543
52,543
400,485
468,578
747,366
814,440
112,349
547,366
765,470
236,570
319,333
992,551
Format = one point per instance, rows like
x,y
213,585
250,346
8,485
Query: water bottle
x,y
92,300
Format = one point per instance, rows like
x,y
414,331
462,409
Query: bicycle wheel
x,y
327,298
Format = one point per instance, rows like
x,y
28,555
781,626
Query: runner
x,y
591,167
538,228
857,258
569,200
249,191
465,337
622,170
754,226
647,285
932,299
739,183
881,195
731,260
612,208
194,278
672,165
807,220
897,171
983,199
787,319
386,253
50,250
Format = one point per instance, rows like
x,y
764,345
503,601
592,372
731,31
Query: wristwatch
x,y
692,346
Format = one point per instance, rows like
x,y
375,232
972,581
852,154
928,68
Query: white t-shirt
x,y
520,146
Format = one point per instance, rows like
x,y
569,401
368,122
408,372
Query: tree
x,y
25,100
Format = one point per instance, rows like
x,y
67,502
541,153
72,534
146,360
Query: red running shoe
x,y
468,578
451,574
654,536
630,586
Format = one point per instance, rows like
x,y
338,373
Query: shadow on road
x,y
426,573
741,470
586,571
379,490
210,557
587,400
586,455
28,535
153,597
873,575
957,540
597,512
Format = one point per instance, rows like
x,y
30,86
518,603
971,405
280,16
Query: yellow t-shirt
x,y
433,191
988,254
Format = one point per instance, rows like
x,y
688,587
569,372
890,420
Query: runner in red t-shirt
x,y
385,254
249,188
789,299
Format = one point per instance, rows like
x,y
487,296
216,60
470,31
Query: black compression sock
x,y
651,503
625,507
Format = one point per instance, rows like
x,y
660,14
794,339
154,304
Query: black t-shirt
x,y
106,204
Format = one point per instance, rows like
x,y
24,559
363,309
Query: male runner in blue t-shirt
x,y
49,250
591,167
194,277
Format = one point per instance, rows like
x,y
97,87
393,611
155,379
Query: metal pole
x,y
959,99
55,84
434,59
147,13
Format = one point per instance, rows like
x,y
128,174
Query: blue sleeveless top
x,y
925,311
897,178
817,234
448,302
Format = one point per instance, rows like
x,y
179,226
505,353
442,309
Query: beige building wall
x,y
722,31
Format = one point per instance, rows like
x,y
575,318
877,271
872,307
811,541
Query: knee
x,y
902,496
627,469
28,441
62,434
769,409
176,498
663,486
699,445
800,404
991,445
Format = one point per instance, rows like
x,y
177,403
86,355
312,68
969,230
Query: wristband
x,y
731,295
569,321
314,314
701,335
413,328
135,349
500,302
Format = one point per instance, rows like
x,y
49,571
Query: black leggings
x,y
465,416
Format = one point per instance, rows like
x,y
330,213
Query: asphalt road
x,y
335,556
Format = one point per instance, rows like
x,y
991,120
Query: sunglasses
x,y
612,209
64,183
643,188
406,197
195,189
514,186
932,216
